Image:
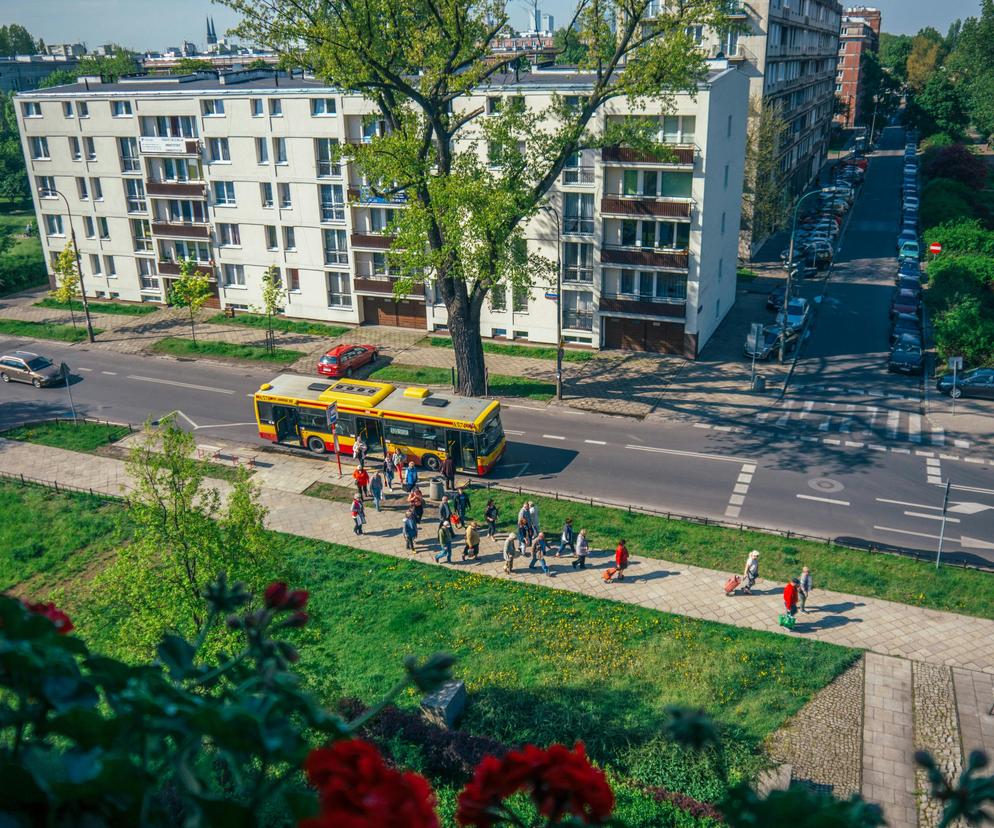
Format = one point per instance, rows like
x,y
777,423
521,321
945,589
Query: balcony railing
x,y
371,240
675,156
640,257
578,175
621,204
181,230
578,275
176,189
383,286
578,226
649,305
169,268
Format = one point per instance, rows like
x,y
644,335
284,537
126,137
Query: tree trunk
x,y
193,327
464,328
72,315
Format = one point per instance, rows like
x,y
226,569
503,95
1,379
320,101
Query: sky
x,y
156,24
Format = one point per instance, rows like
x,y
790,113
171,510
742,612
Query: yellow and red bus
x,y
425,426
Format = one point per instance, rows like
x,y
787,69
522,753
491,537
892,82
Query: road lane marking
x,y
972,489
875,447
596,442
512,431
782,421
920,453
915,428
906,532
931,517
893,421
949,457
679,453
900,451
219,425
829,442
83,369
553,437
722,428
973,460
736,499
733,511
181,384
824,500
851,444
873,410
906,503
961,443
702,425
807,409
741,489
762,415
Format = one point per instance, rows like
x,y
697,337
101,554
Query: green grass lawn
x,y
45,330
179,346
329,491
114,308
744,274
501,385
64,434
282,324
872,574
532,351
23,264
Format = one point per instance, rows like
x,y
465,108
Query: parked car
x,y
822,252
910,284
909,250
795,314
768,345
910,201
906,358
976,383
904,301
912,268
907,339
805,268
905,323
343,360
775,300
24,366
906,236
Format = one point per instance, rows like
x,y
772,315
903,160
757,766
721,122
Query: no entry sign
x,y
935,247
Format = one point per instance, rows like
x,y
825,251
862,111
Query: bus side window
x,y
399,434
265,410
312,420
427,435
346,425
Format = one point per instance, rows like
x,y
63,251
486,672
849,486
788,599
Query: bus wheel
x,y
316,444
431,462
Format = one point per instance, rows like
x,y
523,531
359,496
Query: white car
x,y
795,313
909,250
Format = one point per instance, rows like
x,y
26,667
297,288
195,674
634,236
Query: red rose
x,y
297,599
358,790
276,594
561,782
61,621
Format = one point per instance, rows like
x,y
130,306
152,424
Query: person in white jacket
x,y
582,549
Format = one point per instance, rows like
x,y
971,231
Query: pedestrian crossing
x,y
866,422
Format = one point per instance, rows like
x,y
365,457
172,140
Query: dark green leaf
x,y
177,655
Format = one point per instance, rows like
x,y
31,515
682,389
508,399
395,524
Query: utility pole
x,y
942,528
559,299
790,272
79,268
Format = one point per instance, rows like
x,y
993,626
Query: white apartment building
x,y
236,172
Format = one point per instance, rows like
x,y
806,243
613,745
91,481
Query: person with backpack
x,y
444,542
462,504
361,477
410,528
566,539
472,548
410,477
582,549
539,548
804,588
491,516
358,515
448,470
376,488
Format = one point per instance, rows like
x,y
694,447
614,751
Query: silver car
x,y
24,366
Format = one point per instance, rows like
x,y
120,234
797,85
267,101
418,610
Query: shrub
x,y
945,200
958,163
965,236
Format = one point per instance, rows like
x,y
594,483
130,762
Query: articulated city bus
x,y
426,427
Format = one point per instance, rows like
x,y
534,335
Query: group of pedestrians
x,y
795,593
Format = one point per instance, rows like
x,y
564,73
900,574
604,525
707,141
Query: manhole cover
x,y
825,484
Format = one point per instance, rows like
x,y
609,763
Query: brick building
x,y
860,35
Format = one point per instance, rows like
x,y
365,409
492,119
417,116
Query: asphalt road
x,y
762,474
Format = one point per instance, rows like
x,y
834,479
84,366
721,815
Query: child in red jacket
x,y
620,563
790,593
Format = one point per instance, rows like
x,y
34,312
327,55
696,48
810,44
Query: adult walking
x,y
444,542
510,547
359,450
539,548
566,540
582,549
533,517
790,597
751,572
410,477
398,465
523,540
448,470
410,527
444,510
361,478
388,470
472,548
376,488
804,588
461,503
416,501
491,515
358,515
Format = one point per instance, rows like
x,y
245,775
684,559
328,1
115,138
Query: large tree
x,y
971,66
15,40
13,174
894,51
420,62
764,200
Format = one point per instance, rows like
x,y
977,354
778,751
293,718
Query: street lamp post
x,y
790,271
559,299
79,268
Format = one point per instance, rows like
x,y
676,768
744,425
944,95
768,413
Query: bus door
x,y
371,430
461,447
287,424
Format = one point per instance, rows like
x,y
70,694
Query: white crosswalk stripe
x,y
915,428
807,408
825,424
782,421
893,421
938,436
868,421
846,425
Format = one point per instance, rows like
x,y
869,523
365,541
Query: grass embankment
x,y
82,436
45,330
541,665
500,384
297,326
22,266
530,351
179,346
871,574
113,308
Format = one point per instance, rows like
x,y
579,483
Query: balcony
x,y
365,195
644,305
172,269
150,145
574,321
578,175
617,204
371,241
181,230
383,286
176,189
643,257
675,156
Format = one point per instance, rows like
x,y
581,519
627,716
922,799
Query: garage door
x,y
406,313
643,335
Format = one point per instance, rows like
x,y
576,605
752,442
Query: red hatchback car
x,y
343,360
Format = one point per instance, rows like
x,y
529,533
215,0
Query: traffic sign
x,y
956,363
551,294
331,414
935,247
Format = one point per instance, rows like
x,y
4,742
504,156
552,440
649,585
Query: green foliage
x,y
13,174
273,297
966,800
894,51
15,40
881,91
191,290
764,206
500,385
187,65
940,106
60,77
110,67
22,264
531,351
297,326
111,308
970,65
65,434
966,328
66,279
947,201
798,807
44,330
178,346
962,237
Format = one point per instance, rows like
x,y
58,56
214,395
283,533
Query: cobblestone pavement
x,y
937,731
823,742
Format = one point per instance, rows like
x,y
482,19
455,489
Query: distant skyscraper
x,y
538,19
548,23
211,33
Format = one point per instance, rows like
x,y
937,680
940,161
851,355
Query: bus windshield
x,y
491,434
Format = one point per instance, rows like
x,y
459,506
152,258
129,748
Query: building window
x,y
182,169
339,290
95,268
169,126
228,235
323,106
120,109
286,197
146,274
579,262
103,227
46,186
141,232
212,107
519,298
81,190
67,109
257,110
293,279
110,267
89,228
266,193
276,107
494,105
234,275
271,240
74,151
332,202
335,248
726,176
578,213
289,239
380,219
224,193
326,150
723,224
261,151
128,148
498,333
374,128
31,109
679,129
91,149
189,250
729,130
279,150
219,151
97,189
53,225
84,109
39,148
578,310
